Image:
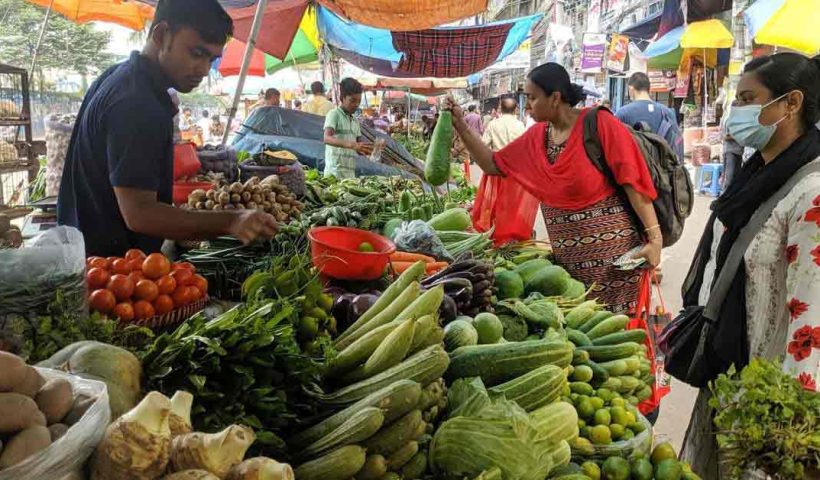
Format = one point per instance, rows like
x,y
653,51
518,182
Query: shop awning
x,y
130,15
405,15
645,29
786,23
704,34
445,52
420,86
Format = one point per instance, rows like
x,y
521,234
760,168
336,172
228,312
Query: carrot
x,y
400,267
435,267
410,257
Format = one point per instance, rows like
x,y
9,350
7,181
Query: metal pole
x,y
246,63
40,40
407,117
705,94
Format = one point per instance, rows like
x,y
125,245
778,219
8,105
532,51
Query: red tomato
x,y
121,286
123,311
183,277
97,278
166,285
143,310
135,254
163,304
102,300
121,266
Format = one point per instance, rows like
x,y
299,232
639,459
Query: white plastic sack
x,y
32,274
68,454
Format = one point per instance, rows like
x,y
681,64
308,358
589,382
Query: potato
x,y
236,198
210,195
246,197
55,399
25,444
57,430
12,371
81,405
18,412
31,384
224,198
13,237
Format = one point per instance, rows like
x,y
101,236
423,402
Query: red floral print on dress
x,y
797,308
807,381
804,339
813,214
792,252
816,255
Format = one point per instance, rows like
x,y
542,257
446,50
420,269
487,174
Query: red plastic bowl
x,y
335,252
183,189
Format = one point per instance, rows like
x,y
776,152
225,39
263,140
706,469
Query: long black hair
x,y
552,77
785,72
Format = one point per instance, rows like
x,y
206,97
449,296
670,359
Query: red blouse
x,y
573,182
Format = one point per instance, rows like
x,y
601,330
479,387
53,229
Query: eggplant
x,y
452,268
360,304
464,295
483,286
451,282
341,311
448,309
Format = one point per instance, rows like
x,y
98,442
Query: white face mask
x,y
744,125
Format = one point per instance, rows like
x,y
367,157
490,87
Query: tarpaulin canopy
x,y
405,15
421,86
786,23
397,95
128,14
445,52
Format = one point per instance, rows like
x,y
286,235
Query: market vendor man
x,y
117,182
343,132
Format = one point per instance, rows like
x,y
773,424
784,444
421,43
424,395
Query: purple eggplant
x,y
341,311
448,309
360,304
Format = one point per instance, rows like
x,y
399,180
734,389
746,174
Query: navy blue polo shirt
x,y
123,137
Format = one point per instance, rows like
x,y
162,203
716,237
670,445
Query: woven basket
x,y
291,176
172,318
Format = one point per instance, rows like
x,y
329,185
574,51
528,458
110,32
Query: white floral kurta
x,y
783,300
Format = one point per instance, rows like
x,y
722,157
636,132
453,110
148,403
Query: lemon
x,y
591,470
617,431
604,394
617,402
668,469
366,247
615,468
619,416
581,423
600,435
630,419
585,409
583,446
597,402
628,435
663,451
602,417
642,469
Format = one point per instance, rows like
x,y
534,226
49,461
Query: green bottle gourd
x,y
437,165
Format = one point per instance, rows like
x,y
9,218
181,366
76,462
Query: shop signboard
x,y
661,80
592,56
682,80
618,48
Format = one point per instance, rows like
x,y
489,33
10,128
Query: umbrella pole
x,y
40,40
705,94
246,63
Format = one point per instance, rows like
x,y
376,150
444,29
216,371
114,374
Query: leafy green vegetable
x,y
244,366
766,420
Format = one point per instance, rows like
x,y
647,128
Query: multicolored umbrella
x,y
131,15
303,49
699,39
785,23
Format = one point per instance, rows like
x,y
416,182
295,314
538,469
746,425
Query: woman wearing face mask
x,y
588,223
772,308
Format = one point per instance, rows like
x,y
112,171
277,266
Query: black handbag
x,y
688,342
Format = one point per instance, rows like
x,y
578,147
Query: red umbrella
x,y
231,62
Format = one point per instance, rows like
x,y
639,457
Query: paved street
x,y
677,406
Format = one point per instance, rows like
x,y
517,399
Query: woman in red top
x,y
588,223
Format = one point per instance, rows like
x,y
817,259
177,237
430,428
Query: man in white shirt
x,y
204,125
505,128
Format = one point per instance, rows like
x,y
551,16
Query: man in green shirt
x,y
342,132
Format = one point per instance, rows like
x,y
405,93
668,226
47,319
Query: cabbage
x,y
485,431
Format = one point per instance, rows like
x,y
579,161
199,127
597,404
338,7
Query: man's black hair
x,y
349,86
639,81
471,108
186,109
270,93
317,88
204,114
206,17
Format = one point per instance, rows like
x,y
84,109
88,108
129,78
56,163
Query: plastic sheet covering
x,y
72,450
31,275
406,14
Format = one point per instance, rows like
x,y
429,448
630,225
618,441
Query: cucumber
x,y
579,357
535,388
579,315
615,367
581,388
374,467
578,338
395,400
422,367
610,325
599,374
637,335
595,320
361,426
391,438
400,457
340,464
415,468
602,353
499,362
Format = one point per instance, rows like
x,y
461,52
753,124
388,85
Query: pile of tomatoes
x,y
140,286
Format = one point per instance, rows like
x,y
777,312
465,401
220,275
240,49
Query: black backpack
x,y
675,193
